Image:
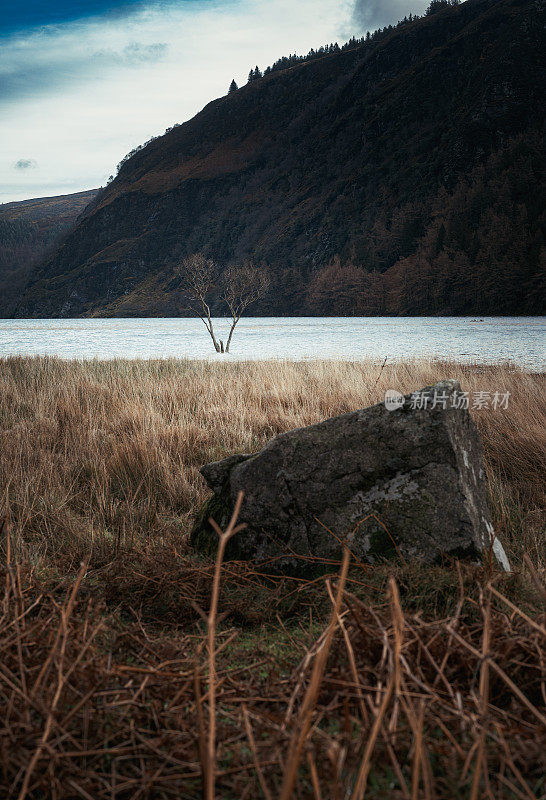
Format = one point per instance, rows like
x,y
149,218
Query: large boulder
x,y
407,482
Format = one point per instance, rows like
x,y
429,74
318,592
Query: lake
x,y
521,340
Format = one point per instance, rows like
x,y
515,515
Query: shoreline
x,y
491,340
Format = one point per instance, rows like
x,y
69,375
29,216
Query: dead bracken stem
x,y
59,649
224,537
401,690
259,773
301,731
481,764
393,687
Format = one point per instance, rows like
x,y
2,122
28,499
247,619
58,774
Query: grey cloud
x,y
371,14
137,52
23,77
133,54
25,163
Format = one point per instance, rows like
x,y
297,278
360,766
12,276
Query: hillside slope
x,y
27,229
402,176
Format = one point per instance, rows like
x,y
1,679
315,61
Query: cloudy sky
x,y
82,82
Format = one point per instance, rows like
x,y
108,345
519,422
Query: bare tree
x,y
202,276
243,285
240,286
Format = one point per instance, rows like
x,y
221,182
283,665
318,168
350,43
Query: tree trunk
x,y
208,325
231,334
215,343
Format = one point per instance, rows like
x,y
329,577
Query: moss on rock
x,y
203,537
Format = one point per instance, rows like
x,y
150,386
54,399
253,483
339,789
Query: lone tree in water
x,y
243,285
238,287
201,276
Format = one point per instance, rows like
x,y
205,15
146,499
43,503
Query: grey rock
x,y
405,483
217,473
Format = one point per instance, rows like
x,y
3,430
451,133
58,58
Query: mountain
x,y
28,229
400,175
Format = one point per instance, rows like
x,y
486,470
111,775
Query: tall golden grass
x,y
97,456
121,677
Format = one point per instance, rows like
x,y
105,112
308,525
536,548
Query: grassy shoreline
x,y
99,464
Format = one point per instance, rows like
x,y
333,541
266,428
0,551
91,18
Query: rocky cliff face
x,y
374,180
28,230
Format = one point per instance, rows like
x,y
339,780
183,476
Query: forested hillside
x,y
402,174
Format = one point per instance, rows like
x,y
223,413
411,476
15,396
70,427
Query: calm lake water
x,y
490,339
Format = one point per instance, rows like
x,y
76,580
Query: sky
x,y
82,82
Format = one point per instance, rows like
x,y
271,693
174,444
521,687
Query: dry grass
x,y
398,681
96,456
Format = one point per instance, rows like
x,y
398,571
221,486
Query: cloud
x,y
368,15
80,95
137,53
134,54
46,60
25,163
35,13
